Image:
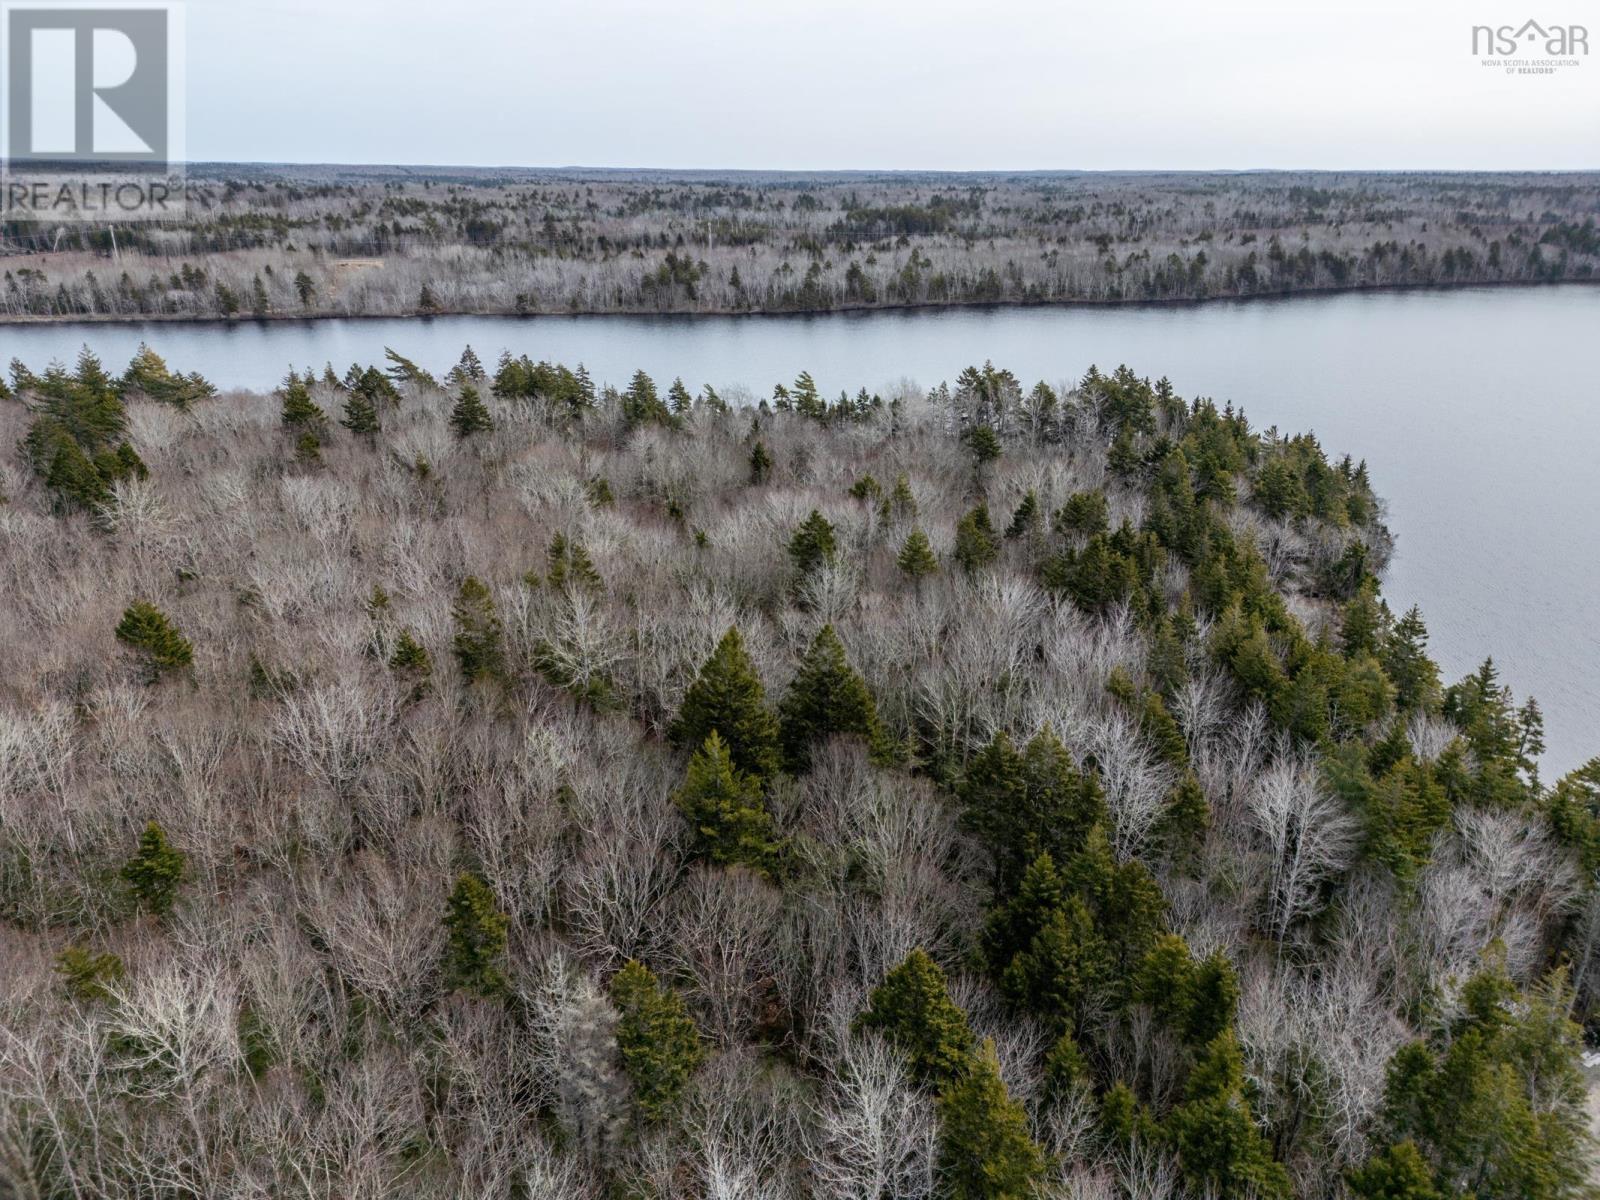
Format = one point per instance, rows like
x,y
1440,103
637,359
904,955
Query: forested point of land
x,y
263,242
501,785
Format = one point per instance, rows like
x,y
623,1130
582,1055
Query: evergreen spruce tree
x,y
1198,1001
727,698
469,369
1495,1103
901,500
1185,820
478,636
1061,969
658,1041
410,661
1128,906
813,543
1030,803
305,288
985,1149
1123,1120
913,1011
1219,1146
360,413
725,809
1397,1172
984,444
866,488
1405,660
567,564
976,544
475,938
1361,621
470,416
427,302
1026,518
641,405
147,629
1084,514
155,871
760,464
826,697
916,559
300,411
1014,923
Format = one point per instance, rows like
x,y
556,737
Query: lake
x,y
1478,411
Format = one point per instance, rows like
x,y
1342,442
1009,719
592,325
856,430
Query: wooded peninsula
x,y
501,785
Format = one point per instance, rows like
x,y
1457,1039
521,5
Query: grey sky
x,y
947,84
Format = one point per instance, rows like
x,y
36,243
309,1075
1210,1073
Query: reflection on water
x,y
1477,411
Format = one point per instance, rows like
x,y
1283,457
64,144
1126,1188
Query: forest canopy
x,y
267,242
507,784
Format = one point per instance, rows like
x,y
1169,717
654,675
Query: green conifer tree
x,y
1084,514
760,464
724,807
641,405
1030,803
813,543
470,415
567,564
1185,821
1219,1145
360,413
984,444
916,559
913,1011
826,697
976,544
478,634
658,1041
475,938
1061,969
727,698
1397,1172
901,500
1026,517
678,398
158,642
409,660
300,411
155,871
1495,1102
985,1149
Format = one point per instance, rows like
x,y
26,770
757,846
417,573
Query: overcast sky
x,y
943,84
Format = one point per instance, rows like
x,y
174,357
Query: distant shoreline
x,y
1286,294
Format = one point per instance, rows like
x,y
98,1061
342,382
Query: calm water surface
x,y
1477,410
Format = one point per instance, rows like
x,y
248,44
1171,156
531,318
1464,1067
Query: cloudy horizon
x,y
832,86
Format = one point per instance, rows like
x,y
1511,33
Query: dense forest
x,y
504,785
264,242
